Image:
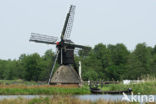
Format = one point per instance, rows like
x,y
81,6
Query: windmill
x,y
65,74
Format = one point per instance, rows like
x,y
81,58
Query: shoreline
x,y
145,88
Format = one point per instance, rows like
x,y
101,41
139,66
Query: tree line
x,y
103,62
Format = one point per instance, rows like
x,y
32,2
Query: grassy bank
x,y
33,88
40,90
19,81
20,87
148,87
58,100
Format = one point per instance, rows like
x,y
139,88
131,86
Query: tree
x,y
2,68
46,64
139,62
32,67
119,54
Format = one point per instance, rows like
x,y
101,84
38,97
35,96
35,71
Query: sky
x,y
96,21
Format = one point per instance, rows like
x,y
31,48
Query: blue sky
x,y
96,21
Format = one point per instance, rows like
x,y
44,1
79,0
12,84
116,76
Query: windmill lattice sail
x,y
40,38
68,23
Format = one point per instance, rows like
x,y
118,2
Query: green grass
x,y
32,88
19,81
43,91
148,87
20,87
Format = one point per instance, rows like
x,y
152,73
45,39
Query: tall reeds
x,y
58,100
40,90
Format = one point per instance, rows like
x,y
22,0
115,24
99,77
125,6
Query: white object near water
x,y
80,69
126,82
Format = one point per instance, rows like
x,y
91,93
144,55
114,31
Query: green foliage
x,y
139,63
40,100
142,88
103,62
42,90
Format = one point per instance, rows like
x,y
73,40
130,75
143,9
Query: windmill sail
x,y
77,46
68,23
40,38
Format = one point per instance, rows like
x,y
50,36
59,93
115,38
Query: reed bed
x,y
58,100
146,87
41,90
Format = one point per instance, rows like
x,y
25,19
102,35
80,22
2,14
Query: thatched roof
x,y
66,74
